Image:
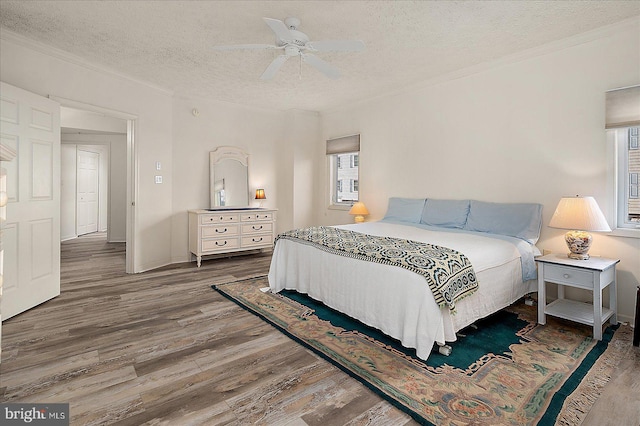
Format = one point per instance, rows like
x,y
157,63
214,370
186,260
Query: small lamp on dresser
x,y
359,210
580,215
260,195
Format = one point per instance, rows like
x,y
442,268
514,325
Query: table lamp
x,y
360,211
260,195
580,215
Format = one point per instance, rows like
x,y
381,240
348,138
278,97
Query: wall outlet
x,y
158,165
158,179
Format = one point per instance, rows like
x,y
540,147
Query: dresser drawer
x,y
218,218
569,276
220,244
256,228
263,240
218,231
249,217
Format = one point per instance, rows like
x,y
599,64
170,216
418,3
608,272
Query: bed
x,y
498,240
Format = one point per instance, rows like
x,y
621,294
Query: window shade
x,y
343,145
622,107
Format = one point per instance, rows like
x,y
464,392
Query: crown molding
x,y
545,49
20,40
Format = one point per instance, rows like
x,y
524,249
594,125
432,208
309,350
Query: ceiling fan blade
x,y
273,67
246,46
278,27
336,46
321,65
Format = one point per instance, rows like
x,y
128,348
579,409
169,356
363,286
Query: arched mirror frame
x,y
235,154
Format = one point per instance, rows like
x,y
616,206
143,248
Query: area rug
x,y
507,371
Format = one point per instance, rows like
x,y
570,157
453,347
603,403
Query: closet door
x,y
30,125
87,191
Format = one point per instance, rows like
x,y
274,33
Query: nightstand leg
x,y
597,311
560,291
542,296
199,260
613,300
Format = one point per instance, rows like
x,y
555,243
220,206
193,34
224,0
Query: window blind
x,y
622,107
343,145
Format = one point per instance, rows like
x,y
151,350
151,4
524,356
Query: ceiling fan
x,y
296,43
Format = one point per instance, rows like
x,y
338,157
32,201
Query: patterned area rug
x,y
508,372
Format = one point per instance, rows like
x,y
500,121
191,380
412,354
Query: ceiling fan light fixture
x,y
296,43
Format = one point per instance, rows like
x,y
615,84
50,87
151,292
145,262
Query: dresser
x,y
228,231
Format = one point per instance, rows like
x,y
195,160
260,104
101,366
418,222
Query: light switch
x,y
158,165
158,179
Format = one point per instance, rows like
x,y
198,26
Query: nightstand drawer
x,y
568,276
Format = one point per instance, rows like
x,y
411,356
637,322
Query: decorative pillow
x,y
520,220
446,213
405,209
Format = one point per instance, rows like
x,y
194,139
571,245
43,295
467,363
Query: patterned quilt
x,y
448,273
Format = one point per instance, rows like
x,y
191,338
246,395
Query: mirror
x,y
228,177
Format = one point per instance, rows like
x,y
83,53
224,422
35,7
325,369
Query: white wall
x,y
45,71
296,168
529,129
68,158
264,134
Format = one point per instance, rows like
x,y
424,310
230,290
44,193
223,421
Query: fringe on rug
x,y
577,405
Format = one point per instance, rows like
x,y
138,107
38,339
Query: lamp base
x,y
579,243
359,219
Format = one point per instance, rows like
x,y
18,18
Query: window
x,y
623,128
628,199
343,162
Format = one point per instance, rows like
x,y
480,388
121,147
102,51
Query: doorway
x,y
97,175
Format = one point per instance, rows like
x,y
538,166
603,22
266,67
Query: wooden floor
x,y
162,347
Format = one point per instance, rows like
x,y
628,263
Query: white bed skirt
x,y
389,298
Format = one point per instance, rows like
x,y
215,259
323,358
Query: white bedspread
x,y
395,300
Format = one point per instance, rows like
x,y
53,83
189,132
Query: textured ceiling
x,y
169,43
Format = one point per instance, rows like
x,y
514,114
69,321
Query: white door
x,y
31,234
87,196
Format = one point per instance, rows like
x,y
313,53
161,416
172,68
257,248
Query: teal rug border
x,y
548,418
572,382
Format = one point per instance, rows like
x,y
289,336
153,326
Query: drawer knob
x,y
220,245
221,232
257,228
566,276
257,240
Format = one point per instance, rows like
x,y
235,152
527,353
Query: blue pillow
x,y
520,220
446,213
405,209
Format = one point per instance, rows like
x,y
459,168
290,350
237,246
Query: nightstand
x,y
595,274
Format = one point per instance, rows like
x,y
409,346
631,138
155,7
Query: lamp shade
x,y
260,194
579,213
359,209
